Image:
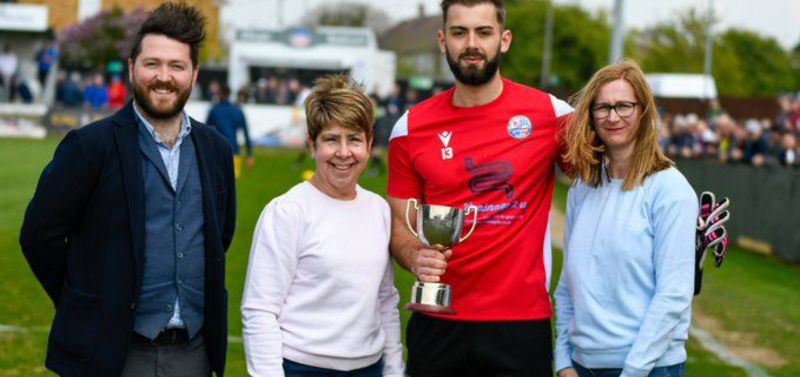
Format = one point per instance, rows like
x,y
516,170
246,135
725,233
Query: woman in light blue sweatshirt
x,y
624,298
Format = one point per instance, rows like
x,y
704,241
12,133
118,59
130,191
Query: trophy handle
x,y
408,222
474,210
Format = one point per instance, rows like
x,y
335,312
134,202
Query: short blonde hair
x,y
336,99
585,151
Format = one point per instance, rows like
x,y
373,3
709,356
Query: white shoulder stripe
x,y
560,107
547,255
400,128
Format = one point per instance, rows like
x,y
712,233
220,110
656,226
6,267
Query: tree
x,y
348,14
745,64
580,43
748,64
101,38
795,56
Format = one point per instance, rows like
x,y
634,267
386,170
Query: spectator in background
x,y
95,95
664,133
283,96
787,153
27,90
116,93
70,93
263,93
793,115
755,144
8,68
727,138
46,57
228,119
707,139
412,97
782,120
212,94
301,93
681,140
243,95
394,103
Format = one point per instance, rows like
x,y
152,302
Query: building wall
x,y
63,13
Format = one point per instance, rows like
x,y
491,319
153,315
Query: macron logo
x,y
444,136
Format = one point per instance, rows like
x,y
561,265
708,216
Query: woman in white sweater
x,y
319,298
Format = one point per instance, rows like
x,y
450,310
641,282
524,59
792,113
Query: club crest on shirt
x,y
519,127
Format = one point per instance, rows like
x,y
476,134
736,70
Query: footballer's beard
x,y
472,74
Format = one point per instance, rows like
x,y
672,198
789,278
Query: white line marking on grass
x,y
8,328
712,345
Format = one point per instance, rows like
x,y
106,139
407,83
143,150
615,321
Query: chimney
x,y
421,10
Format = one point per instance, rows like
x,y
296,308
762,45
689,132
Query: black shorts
x,y
444,348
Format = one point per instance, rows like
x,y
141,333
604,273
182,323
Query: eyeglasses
x,y
623,109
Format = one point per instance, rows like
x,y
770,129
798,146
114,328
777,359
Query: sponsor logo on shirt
x,y
519,127
490,176
447,151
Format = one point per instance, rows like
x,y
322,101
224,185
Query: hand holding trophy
x,y
439,227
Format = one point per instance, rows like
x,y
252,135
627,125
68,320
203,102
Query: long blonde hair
x,y
585,151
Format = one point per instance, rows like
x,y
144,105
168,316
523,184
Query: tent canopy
x,y
682,85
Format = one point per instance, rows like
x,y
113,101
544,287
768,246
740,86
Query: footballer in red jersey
x,y
500,157
494,144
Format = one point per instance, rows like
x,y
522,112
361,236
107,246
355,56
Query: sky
x,y
775,18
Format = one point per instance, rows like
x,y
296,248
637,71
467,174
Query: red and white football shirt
x,y
500,157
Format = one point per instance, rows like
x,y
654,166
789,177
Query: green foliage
x,y
745,64
762,67
671,46
100,39
580,43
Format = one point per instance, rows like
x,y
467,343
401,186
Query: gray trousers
x,y
189,359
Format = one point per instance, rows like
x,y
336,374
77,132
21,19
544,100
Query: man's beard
x,y
151,109
472,74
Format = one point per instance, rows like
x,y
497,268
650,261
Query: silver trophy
x,y
437,226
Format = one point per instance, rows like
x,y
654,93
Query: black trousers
x,y
445,348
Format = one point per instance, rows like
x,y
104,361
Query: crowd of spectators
x,y
758,142
90,91
275,90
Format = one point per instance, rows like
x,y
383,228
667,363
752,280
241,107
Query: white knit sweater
x,y
319,288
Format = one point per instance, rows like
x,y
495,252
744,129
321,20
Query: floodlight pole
x,y
617,34
279,13
709,39
548,47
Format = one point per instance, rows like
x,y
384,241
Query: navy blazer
x,y
83,236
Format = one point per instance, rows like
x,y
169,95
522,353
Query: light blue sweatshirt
x,y
625,293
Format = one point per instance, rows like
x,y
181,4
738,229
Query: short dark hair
x,y
224,91
498,4
177,21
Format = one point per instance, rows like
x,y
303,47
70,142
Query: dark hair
x,y
498,4
224,91
177,21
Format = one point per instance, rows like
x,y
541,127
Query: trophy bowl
x,y
437,226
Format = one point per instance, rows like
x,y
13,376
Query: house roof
x,y
412,36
